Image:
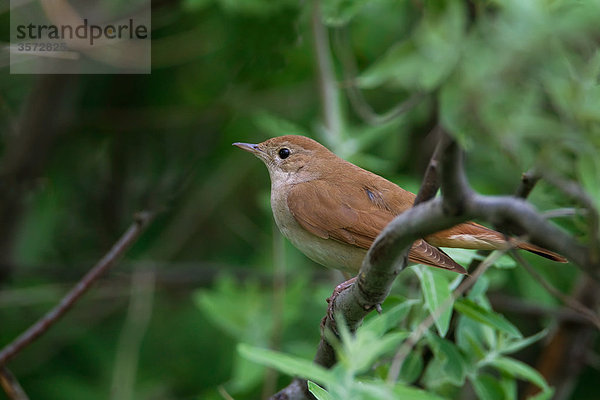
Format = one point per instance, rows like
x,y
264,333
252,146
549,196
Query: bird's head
x,y
291,157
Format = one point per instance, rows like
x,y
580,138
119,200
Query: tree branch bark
x,y
458,203
11,385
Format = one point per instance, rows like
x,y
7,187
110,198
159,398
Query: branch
x,y
142,220
296,390
528,181
384,260
387,256
508,212
576,192
11,385
431,179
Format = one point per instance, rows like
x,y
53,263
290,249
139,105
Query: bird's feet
x,y
331,300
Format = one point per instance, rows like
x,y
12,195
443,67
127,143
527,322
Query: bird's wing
x,y
355,218
422,252
330,213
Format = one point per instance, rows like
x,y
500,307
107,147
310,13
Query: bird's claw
x,y
331,301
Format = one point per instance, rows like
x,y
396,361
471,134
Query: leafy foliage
x,y
357,375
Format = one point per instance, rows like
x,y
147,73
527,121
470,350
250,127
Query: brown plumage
x,y
333,210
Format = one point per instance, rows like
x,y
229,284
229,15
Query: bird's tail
x,y
471,235
540,251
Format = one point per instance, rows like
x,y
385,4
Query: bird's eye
x,y
284,153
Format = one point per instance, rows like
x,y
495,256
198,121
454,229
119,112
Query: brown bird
x,y
332,210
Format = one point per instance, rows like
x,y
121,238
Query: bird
x,y
332,210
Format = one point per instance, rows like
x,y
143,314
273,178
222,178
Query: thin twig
x,y
576,192
528,181
424,326
11,385
142,220
569,301
563,212
431,178
223,392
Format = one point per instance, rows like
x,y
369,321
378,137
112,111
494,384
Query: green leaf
x,y
340,12
380,324
245,374
474,311
516,345
423,62
436,292
509,386
479,289
589,172
545,394
520,370
371,391
318,391
386,68
237,309
408,392
412,367
472,346
287,364
360,354
453,366
488,388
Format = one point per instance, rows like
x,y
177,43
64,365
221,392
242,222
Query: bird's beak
x,y
249,147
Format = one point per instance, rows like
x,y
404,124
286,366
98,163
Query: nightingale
x,y
332,210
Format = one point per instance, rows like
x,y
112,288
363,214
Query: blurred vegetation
x,y
515,81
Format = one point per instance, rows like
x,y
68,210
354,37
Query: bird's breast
x,y
327,252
